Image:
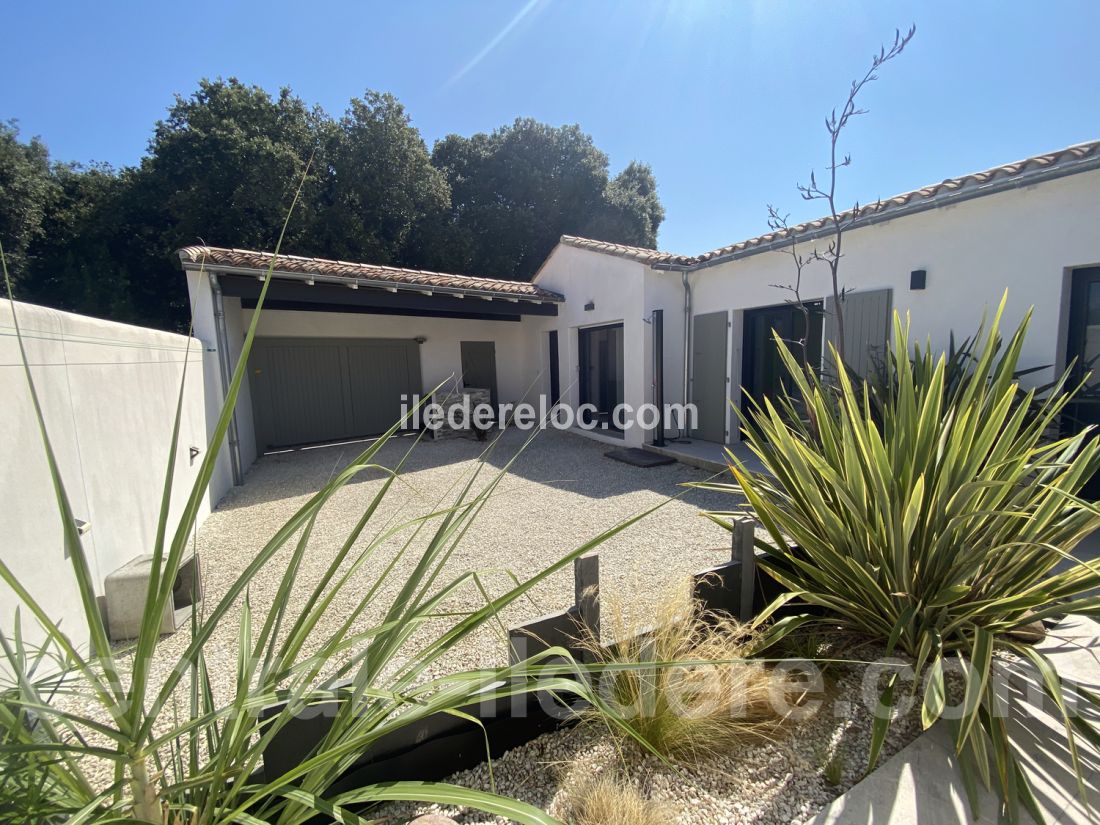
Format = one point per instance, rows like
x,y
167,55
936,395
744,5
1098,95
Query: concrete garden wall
x,y
108,393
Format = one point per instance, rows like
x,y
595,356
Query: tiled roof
x,y
1019,169
634,253
1085,155
216,257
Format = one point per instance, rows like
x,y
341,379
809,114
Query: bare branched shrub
x,y
838,220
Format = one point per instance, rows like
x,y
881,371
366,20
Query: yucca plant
x,y
183,756
881,382
935,524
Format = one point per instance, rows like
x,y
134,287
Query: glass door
x,y
600,364
762,372
1083,349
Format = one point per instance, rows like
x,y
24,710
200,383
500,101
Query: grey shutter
x,y
710,374
866,326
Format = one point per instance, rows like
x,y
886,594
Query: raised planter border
x,y
442,744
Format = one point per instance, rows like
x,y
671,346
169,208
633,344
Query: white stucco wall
x,y
1025,240
616,286
440,354
108,393
202,327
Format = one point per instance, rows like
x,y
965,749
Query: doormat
x,y
637,457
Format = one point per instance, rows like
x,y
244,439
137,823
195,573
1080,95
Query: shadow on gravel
x,y
559,460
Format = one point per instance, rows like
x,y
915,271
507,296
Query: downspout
x,y
687,347
227,372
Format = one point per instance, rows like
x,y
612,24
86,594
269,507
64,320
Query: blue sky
x,y
724,99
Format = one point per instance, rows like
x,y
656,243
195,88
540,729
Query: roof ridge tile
x,y
1017,168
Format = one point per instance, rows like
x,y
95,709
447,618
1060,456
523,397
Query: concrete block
x,y
126,589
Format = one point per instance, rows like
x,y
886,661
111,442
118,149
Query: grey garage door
x,y
308,390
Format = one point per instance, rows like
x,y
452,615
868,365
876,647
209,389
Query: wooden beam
x,y
406,302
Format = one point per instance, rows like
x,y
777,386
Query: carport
x,y
340,344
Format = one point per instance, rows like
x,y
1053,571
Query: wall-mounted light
x,y
918,278
591,305
420,339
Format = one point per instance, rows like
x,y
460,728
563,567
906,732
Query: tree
x,y
516,191
26,191
221,169
225,161
379,183
632,212
813,191
79,262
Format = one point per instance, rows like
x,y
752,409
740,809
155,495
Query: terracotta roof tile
x,y
215,257
1017,170
634,253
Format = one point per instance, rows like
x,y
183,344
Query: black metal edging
x,y
430,750
444,743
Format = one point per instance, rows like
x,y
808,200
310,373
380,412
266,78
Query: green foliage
x,y
935,525
833,770
183,755
380,184
26,193
225,160
80,263
882,383
633,213
515,191
102,242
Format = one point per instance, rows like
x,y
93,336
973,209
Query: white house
x,y
339,343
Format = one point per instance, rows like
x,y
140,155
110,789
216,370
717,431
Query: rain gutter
x,y
943,199
226,372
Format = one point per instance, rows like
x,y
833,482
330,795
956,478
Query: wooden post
x,y
560,629
586,584
744,551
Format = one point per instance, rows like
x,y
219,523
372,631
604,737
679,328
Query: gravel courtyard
x,y
560,492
